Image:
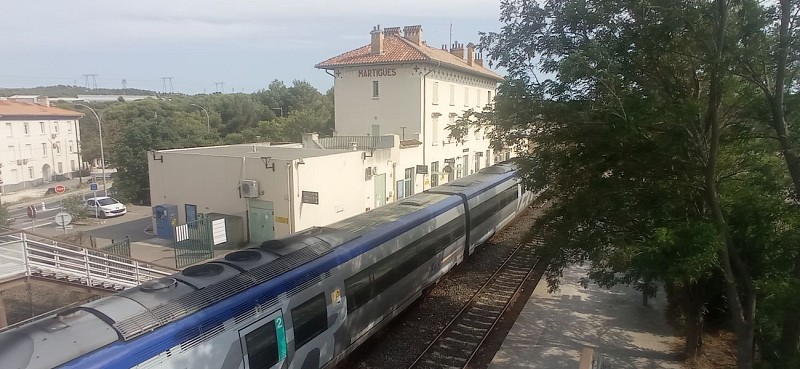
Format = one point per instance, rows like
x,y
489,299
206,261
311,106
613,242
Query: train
x,y
305,301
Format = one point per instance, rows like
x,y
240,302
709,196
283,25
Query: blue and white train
x,y
305,301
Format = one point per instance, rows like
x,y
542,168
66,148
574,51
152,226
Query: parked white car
x,y
104,206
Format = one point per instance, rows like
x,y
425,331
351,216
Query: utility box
x,y
165,219
234,230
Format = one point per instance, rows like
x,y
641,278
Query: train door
x,y
314,321
264,342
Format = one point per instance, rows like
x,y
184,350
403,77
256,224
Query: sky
x,y
244,43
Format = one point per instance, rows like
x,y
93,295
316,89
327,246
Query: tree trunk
x,y
738,283
695,317
790,335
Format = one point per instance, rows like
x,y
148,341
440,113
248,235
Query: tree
x,y
640,139
5,217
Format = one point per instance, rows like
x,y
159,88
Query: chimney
x,y
470,53
413,34
377,40
457,50
479,60
391,31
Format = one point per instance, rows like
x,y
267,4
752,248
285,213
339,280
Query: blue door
x,y
191,213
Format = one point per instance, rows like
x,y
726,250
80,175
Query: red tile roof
x,y
397,49
12,108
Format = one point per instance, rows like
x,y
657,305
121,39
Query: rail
x,y
26,255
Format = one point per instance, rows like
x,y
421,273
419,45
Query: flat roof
x,y
256,151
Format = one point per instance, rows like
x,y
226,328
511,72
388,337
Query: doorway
x,y
261,222
380,189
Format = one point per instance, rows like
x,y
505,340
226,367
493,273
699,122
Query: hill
x,y
72,91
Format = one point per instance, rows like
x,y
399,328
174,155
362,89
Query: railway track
x,y
459,341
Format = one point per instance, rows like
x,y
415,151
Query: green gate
x,y
122,247
193,242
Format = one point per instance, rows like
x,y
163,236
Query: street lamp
x,y
102,153
208,120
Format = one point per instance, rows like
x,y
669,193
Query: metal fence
x,y
23,254
122,247
357,142
193,242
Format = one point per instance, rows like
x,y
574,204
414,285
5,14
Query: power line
x,y
219,87
93,77
164,84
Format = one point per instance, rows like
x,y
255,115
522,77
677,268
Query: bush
x,y
75,206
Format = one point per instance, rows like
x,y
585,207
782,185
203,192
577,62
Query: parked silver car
x,y
104,206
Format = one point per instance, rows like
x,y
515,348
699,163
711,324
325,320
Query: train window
x,y
357,289
310,319
262,346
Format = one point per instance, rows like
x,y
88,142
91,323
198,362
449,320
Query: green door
x,y
262,221
380,189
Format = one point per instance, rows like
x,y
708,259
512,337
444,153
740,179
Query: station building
x,y
394,98
40,143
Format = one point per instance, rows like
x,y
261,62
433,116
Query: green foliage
x,y
75,206
623,139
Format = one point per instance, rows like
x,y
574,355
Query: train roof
x,y
133,312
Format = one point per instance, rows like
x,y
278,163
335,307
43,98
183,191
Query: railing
x,y
24,254
360,142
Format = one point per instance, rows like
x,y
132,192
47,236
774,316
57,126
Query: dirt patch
x,y
35,298
719,351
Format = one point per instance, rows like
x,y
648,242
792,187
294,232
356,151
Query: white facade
x,y
210,179
39,144
398,85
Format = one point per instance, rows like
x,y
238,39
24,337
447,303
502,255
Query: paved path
x,y
553,328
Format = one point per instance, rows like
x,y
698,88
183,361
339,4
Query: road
x,y
45,213
131,224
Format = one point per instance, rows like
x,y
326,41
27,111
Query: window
x,y
435,130
409,182
466,164
477,161
9,130
309,319
69,127
71,147
466,96
60,168
400,189
435,94
26,128
493,206
434,174
381,276
57,147
55,127
262,345
44,149
489,97
41,127
478,97
452,94
375,90
488,158
30,172
452,122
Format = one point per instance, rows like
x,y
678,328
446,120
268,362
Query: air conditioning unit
x,y
249,188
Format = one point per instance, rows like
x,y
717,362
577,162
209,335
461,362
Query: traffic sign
x,y
63,218
31,212
93,186
60,188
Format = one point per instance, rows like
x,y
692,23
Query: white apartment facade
x,y
39,144
399,85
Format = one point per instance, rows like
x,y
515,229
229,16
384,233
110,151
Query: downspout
x,y
242,172
425,117
290,183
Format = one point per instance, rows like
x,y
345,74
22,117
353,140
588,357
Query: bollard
x,y
43,208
